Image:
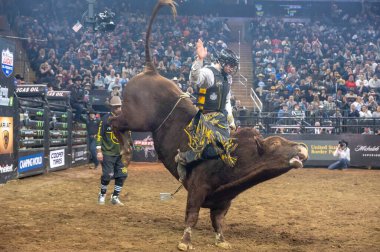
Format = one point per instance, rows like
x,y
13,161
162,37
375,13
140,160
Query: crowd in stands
x,y
87,60
324,68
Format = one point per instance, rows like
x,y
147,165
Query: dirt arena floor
x,y
303,210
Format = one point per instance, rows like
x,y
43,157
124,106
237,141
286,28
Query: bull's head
x,y
282,152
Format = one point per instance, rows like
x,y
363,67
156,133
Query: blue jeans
x,y
342,163
93,150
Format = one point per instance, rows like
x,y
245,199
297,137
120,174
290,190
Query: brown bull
x,y
154,103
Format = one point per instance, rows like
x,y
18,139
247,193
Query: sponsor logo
x,y
31,162
4,96
58,93
146,145
57,158
6,168
6,135
367,148
30,89
213,96
80,155
7,62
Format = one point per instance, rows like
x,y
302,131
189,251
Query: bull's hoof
x,y
185,247
223,245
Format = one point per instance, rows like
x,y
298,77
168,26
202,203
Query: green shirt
x,y
106,139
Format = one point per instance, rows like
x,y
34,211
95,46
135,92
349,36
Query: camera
x,y
104,21
343,144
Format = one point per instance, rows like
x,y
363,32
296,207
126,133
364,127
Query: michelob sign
x,y
6,135
7,62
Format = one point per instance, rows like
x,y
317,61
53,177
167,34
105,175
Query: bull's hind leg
x,y
217,217
195,198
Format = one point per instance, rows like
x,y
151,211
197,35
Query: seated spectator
x,y
291,102
353,111
115,83
116,90
371,103
329,105
376,114
365,112
110,80
99,81
298,114
317,128
350,83
282,114
358,103
351,95
367,131
374,83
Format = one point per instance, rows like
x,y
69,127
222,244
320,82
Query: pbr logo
x,y
7,62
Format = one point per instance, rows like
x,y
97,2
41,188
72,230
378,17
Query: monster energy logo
x,y
40,124
40,113
64,115
64,125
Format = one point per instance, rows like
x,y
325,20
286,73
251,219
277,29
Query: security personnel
x,y
92,131
215,110
108,152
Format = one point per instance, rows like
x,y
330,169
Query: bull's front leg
x,y
217,217
195,199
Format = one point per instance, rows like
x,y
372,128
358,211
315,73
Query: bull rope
x,y
182,96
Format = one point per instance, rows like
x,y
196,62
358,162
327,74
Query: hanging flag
x,y
77,26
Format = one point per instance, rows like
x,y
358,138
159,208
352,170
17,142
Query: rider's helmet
x,y
228,57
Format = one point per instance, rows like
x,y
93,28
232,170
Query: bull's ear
x,y
259,145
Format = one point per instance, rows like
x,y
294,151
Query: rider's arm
x,y
201,76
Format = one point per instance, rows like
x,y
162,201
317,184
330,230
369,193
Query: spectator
x,y
367,131
365,112
76,98
109,81
376,114
99,81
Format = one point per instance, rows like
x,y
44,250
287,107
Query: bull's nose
x,y
303,151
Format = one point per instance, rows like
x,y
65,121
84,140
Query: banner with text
x,y
364,149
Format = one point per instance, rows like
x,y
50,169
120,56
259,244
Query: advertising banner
x,y
143,147
31,162
364,149
79,155
6,135
57,158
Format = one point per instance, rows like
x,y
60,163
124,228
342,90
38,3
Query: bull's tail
x,y
149,65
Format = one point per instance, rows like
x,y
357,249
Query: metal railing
x,y
271,123
256,101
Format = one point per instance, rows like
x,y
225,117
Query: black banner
x,y
79,155
8,166
143,147
364,149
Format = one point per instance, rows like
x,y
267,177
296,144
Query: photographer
x,y
343,152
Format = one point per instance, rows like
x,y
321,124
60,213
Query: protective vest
x,y
213,99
